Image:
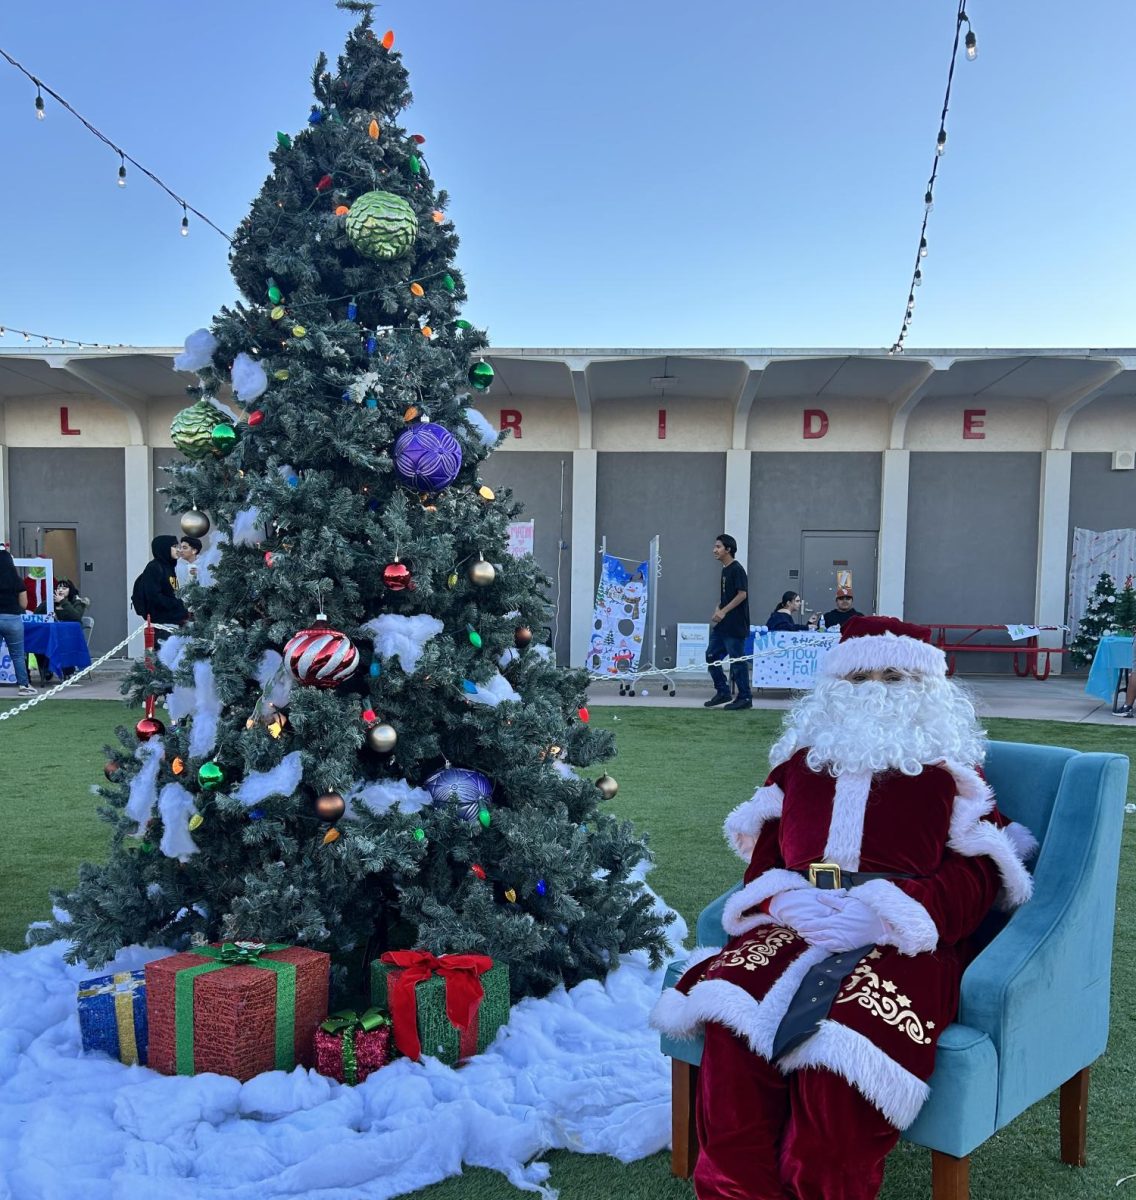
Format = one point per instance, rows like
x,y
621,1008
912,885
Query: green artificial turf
x,y
680,771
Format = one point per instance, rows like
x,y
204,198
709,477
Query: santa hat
x,y
875,643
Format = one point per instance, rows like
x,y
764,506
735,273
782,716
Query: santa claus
x,y
874,851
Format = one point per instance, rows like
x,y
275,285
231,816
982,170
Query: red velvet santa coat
x,y
941,827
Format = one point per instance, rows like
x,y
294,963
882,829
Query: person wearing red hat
x,y
844,610
874,851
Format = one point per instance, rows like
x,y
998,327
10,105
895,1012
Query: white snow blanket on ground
x,y
578,1070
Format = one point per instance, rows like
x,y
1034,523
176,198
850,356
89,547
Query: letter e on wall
x,y
973,425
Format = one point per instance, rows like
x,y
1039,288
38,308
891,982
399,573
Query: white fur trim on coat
x,y
846,830
736,915
880,651
972,836
896,1092
718,1000
743,825
910,928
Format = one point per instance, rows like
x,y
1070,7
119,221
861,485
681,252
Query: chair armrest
x,y
1040,990
709,929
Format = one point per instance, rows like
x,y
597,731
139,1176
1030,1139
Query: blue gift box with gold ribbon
x,y
112,1015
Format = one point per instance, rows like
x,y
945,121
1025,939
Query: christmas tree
x,y
1124,614
1098,620
368,747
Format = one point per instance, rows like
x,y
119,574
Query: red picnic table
x,y
1029,657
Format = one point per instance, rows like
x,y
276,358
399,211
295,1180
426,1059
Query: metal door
x,y
829,557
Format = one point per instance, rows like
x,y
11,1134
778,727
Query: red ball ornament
x,y
269,558
148,728
321,656
396,576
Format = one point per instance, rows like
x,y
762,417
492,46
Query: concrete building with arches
x,y
946,482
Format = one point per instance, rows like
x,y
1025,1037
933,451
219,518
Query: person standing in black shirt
x,y
729,628
13,603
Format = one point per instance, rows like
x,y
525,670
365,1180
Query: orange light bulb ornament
x,y
341,210
373,130
388,39
438,216
416,289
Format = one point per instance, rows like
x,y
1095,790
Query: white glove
x,y
800,909
848,923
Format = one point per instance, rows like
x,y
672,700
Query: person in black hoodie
x,y
155,591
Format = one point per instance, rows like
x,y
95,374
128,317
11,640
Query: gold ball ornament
x,y
482,573
330,807
194,523
607,785
382,738
522,635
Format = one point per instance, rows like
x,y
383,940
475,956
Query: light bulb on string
x,y
184,222
122,173
922,247
918,278
941,141
929,199
971,45
40,113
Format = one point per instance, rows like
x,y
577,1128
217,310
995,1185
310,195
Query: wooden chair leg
x,y
950,1176
684,1135
1074,1118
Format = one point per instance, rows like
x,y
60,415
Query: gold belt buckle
x,y
825,875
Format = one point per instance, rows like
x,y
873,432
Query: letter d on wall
x,y
816,423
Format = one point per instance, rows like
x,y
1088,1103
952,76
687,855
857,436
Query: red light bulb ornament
x,y
324,183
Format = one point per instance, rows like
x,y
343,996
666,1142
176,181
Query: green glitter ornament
x,y
381,225
192,429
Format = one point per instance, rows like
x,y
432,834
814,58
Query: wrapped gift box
x,y
449,1006
350,1046
112,1015
236,1009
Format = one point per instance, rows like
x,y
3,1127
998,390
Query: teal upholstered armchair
x,y
1034,1010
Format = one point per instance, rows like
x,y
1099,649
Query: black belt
x,y
829,875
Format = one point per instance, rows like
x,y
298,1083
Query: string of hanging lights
x,y
970,46
123,157
48,339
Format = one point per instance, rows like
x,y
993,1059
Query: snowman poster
x,y
620,621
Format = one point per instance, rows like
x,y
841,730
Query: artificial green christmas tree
x,y
366,748
1124,611
1097,621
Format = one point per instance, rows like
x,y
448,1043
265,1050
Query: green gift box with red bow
x,y
237,1008
449,1006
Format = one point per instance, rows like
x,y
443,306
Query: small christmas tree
x,y
370,749
1124,614
1098,620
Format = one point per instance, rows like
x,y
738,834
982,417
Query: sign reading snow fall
x,y
796,660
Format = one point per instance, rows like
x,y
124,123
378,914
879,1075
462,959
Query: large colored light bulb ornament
x,y
255,418
196,821
427,457
467,789
324,183
373,130
321,656
474,637
511,895
397,576
481,373
419,834
448,283
194,523
210,775
415,164
584,715
283,140
541,887
416,289
381,225
315,116
388,39
352,311
275,294
485,818
482,573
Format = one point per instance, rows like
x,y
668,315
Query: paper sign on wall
x,y
521,538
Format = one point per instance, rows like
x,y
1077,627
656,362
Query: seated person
x,y
843,610
781,618
69,606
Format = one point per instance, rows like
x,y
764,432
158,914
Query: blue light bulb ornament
x,y
315,117
541,887
372,344
293,481
469,687
375,669
372,402
256,814
352,311
346,397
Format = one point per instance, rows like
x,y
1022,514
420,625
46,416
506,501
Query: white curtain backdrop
x,y
1113,551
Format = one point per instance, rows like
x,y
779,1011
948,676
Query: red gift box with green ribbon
x,y
238,1008
447,1005
350,1045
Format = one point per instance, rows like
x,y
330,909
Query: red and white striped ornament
x,y
321,656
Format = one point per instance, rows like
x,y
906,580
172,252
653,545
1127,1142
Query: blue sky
x,y
635,173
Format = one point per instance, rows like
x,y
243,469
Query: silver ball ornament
x,y
482,573
382,738
194,523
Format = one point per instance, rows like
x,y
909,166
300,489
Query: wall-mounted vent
x,y
1124,460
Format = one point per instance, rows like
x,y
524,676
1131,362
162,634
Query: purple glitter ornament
x,y
427,457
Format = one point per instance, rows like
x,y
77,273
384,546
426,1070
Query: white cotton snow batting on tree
x,y
493,692
273,679
171,650
403,638
282,780
144,786
487,434
542,651
206,712
198,352
206,561
509,656
249,380
180,702
381,795
176,806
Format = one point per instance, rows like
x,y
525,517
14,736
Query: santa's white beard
x,y
877,726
